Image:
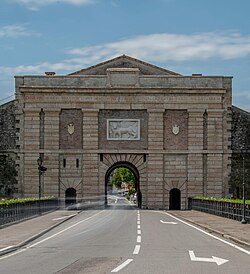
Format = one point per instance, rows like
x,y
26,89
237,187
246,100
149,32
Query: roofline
x,y
128,57
240,109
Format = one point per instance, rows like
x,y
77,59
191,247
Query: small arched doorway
x,y
175,199
70,196
135,172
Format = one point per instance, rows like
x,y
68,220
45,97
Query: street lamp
x,y
243,221
41,169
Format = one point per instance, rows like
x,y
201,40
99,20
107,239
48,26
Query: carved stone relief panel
x,y
123,129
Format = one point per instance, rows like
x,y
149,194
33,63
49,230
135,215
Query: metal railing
x,y
224,209
18,211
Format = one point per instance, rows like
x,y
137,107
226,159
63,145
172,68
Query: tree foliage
x,y
122,175
7,175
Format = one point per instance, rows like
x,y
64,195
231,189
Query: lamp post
x,y
41,169
243,221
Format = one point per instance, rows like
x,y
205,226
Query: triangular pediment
x,y
124,61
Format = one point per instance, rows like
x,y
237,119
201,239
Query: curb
x,y
212,230
34,237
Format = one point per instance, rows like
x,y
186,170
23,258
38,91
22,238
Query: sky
x,y
211,37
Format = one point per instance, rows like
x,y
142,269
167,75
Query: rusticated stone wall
x,y
8,126
184,141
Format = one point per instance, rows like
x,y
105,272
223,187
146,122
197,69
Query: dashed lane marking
x,y
138,239
137,250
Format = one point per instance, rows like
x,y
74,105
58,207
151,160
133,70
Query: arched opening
x,y
126,189
70,196
175,199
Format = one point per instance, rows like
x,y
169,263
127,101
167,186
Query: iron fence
x,y
18,211
224,209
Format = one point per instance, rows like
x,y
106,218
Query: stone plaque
x,y
123,129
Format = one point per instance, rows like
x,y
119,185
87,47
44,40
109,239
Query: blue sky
x,y
211,37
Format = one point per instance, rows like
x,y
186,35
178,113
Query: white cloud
x,y
172,47
151,48
15,30
36,4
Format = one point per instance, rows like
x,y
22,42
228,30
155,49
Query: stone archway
x,y
175,199
134,170
135,163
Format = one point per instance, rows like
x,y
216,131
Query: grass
x,y
23,200
220,199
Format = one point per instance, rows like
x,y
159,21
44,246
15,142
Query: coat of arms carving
x,y
71,128
176,129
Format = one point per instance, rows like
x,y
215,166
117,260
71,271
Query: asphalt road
x,y
123,239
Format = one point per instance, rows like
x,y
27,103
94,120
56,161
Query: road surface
x,y
123,239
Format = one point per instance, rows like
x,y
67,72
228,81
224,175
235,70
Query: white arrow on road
x,y
217,260
171,223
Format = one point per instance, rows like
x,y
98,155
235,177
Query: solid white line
x,y
22,250
137,249
138,239
120,267
139,232
63,217
8,247
210,235
60,232
138,227
12,254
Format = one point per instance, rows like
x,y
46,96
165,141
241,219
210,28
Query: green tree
x,y
7,175
121,175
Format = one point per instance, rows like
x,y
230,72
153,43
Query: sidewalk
x,y
21,233
227,228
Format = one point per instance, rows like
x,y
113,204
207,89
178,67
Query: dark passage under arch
x,y
175,199
70,196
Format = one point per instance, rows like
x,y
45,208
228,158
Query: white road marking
x,y
12,254
48,238
210,235
60,232
217,260
138,239
137,249
139,232
6,248
138,226
63,217
120,267
138,222
170,223
138,218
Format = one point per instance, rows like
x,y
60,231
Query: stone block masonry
x,y
170,131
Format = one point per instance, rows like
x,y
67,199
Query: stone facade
x,y
240,148
8,127
184,137
8,134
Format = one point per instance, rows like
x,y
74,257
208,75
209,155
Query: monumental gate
x,y
171,131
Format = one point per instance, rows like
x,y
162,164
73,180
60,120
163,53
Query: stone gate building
x,y
171,131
